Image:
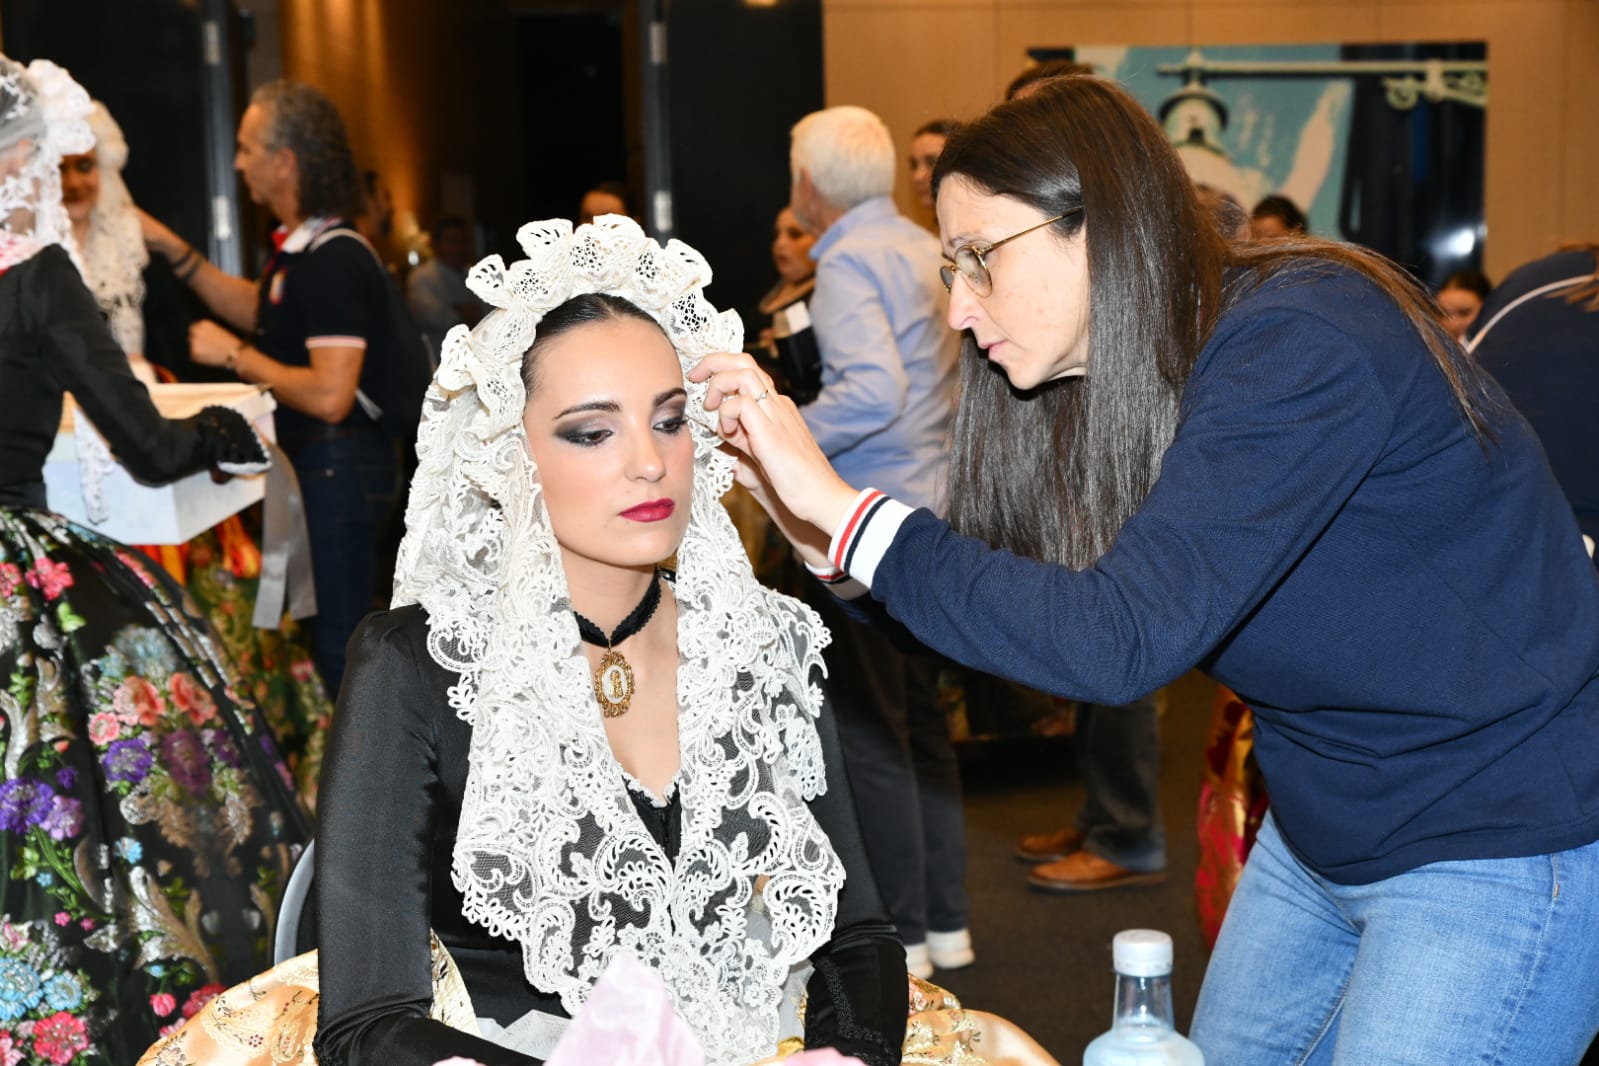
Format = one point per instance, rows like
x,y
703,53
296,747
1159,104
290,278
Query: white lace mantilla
x,y
550,850
44,106
113,253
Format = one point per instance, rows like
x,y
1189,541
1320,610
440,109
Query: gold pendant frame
x,y
613,684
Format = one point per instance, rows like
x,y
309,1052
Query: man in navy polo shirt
x,y
310,322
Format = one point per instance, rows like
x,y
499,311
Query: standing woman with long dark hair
x,y
1272,463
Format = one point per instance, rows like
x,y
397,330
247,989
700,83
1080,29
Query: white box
x,y
164,514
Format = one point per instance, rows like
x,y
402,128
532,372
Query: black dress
x,y
145,825
393,778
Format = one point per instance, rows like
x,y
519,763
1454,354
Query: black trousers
x,y
903,771
1118,757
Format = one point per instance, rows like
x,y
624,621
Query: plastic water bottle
x,y
1143,1033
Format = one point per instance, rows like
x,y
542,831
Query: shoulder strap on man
x,y
390,394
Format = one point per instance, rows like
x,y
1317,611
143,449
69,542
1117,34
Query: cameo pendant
x,y
613,684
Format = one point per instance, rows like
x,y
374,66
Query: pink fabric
x,y
628,1021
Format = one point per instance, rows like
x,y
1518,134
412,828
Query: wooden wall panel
x,y
1579,124
401,74
936,63
1286,23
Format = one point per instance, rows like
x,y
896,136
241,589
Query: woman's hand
x,y
780,461
810,542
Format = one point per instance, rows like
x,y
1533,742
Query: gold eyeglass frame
x,y
969,263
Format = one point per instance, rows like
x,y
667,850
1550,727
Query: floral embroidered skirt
x,y
272,668
147,822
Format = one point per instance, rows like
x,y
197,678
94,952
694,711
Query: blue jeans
x,y
349,485
1484,961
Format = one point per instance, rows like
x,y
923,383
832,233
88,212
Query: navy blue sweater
x,y
1414,622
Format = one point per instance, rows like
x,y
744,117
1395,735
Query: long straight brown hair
x,y
1054,472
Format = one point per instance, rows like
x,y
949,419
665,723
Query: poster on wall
x,y
1377,144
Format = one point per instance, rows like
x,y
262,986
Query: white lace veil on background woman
x,y
550,851
113,254
43,116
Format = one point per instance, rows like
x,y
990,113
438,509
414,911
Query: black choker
x,y
613,678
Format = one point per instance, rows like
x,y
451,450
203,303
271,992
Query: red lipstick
x,y
652,511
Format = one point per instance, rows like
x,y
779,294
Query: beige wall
x,y
911,60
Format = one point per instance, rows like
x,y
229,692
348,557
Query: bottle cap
x,y
1142,953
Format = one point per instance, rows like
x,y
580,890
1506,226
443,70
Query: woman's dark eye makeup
x,y
584,435
589,434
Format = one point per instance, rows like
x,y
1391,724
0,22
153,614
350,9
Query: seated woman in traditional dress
x,y
557,750
144,825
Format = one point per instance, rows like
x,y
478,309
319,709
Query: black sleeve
x,y
376,829
857,997
88,363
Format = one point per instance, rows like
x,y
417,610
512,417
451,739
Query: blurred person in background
x,y
319,331
926,145
1028,81
1461,296
106,234
1277,216
787,342
787,347
376,218
436,291
1231,220
604,198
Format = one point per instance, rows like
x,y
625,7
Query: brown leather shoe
x,y
1083,871
1047,847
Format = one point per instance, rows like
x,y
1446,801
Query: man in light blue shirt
x,y
888,358
883,418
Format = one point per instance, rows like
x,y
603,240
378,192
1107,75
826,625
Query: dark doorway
x,y
575,131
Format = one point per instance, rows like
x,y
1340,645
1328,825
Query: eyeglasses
x,y
969,262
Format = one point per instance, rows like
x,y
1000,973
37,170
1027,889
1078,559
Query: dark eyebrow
x,y
612,407
609,406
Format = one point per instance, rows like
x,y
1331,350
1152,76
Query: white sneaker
x,y
918,961
951,951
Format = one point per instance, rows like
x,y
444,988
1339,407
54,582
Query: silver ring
x,y
762,397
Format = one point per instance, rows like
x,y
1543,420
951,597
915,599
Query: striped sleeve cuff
x,y
838,583
334,341
864,534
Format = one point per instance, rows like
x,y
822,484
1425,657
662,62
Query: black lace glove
x,y
231,443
